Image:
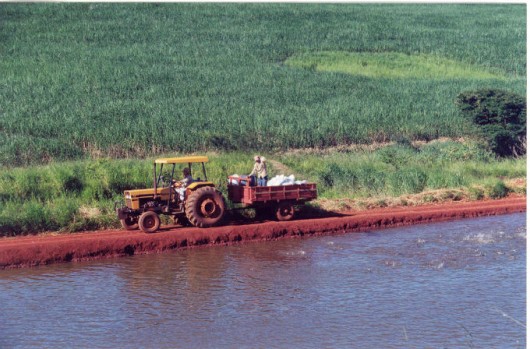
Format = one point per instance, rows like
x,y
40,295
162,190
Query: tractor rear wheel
x,y
205,207
149,222
129,223
285,211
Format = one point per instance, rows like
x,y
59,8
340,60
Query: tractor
x,y
199,203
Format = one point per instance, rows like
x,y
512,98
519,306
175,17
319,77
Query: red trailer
x,y
280,199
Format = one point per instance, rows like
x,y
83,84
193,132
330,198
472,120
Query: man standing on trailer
x,y
260,170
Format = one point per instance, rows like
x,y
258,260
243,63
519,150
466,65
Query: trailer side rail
x,y
245,194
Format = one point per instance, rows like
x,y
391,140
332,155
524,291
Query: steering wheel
x,y
163,181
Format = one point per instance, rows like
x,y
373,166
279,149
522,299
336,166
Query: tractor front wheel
x,y
205,207
149,222
129,223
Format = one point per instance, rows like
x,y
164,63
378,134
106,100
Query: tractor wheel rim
x,y
208,207
285,211
149,222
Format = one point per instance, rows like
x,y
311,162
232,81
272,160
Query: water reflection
x,y
459,284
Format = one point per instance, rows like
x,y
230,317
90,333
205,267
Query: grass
x,y
398,170
135,80
80,195
391,65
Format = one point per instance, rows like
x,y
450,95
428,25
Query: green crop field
x,y
85,85
125,80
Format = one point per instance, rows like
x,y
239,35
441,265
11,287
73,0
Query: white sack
x,y
281,180
233,181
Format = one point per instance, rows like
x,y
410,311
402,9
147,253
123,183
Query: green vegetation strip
x,y
80,195
390,65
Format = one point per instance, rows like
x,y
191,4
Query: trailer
x,y
280,200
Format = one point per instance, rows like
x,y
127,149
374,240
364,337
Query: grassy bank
x,y
80,195
129,80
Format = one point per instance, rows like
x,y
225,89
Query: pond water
x,y
447,285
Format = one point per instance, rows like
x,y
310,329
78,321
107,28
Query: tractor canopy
x,y
172,163
182,160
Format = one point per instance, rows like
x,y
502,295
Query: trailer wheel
x,y
205,207
285,211
129,223
149,222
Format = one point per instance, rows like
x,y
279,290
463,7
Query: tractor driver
x,y
180,186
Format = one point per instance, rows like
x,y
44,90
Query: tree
x,y
501,116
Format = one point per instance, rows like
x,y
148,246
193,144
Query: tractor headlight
x,y
127,196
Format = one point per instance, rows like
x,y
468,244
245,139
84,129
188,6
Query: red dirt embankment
x,y
38,250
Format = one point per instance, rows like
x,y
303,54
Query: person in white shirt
x,y
260,170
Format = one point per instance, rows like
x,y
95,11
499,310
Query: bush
x,y
398,155
505,143
329,175
453,151
498,190
501,116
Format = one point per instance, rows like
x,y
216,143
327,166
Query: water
x,y
450,285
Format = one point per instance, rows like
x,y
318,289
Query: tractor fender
x,y
196,185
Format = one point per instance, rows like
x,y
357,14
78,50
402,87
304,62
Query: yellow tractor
x,y
200,202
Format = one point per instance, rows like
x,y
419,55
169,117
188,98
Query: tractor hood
x,y
144,193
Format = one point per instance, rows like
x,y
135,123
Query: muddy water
x,y
458,284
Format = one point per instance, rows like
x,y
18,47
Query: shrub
x,y
505,143
455,151
370,180
329,175
501,116
398,155
498,190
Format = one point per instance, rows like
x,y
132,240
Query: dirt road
x,y
39,250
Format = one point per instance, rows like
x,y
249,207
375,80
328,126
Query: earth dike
x,y
37,250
